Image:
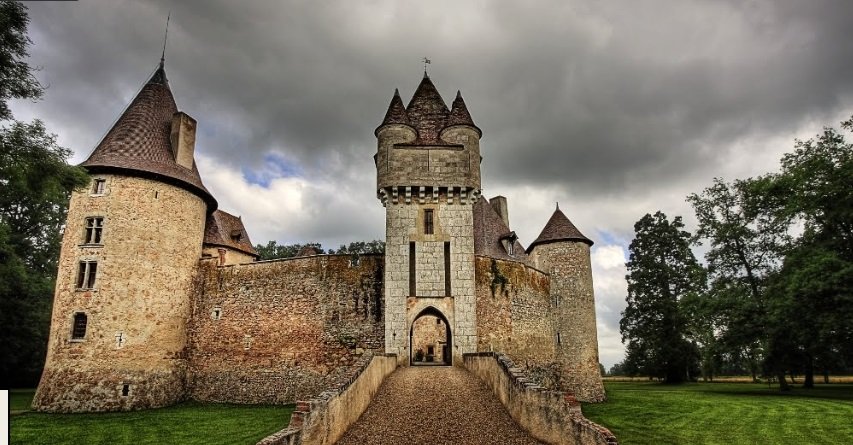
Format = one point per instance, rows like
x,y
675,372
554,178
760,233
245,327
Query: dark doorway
x,y
430,341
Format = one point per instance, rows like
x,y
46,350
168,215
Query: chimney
x,y
499,204
183,139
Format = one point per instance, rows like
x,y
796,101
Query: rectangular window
x,y
447,268
86,274
99,186
412,284
428,223
78,329
94,227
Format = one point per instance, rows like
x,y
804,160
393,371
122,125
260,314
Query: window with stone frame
x,y
78,328
86,274
429,227
99,186
94,229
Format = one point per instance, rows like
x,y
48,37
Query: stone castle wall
x,y
571,288
278,331
514,312
133,354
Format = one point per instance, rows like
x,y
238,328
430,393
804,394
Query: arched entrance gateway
x,y
430,339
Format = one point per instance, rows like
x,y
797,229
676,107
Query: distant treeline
x,y
272,250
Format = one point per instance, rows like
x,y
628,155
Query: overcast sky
x,y
614,109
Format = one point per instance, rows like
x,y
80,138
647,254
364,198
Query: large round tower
x,y
129,253
428,177
563,251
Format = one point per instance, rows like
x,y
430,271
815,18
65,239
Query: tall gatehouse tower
x,y
129,254
428,178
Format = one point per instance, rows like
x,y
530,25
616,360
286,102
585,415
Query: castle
x,y
160,297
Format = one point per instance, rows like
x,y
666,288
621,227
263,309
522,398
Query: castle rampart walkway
x,y
435,405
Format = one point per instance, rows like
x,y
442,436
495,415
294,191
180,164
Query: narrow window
x,y
428,223
99,186
447,268
412,284
86,274
78,330
94,228
125,390
558,339
510,248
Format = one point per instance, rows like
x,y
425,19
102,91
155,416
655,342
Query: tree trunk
x,y
825,375
809,382
793,382
783,384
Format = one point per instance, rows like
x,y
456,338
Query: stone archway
x,y
430,339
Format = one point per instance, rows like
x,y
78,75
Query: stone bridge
x,y
488,401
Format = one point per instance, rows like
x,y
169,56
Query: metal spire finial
x,y
426,62
558,205
165,39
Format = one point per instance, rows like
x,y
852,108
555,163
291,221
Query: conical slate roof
x,y
559,228
427,112
459,114
139,141
396,113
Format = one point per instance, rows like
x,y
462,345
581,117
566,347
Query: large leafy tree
x,y
746,244
662,272
812,296
35,184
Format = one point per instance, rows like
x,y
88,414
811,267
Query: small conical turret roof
x,y
396,113
139,142
459,114
559,228
427,112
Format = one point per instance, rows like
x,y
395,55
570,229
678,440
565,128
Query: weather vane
x,y
165,38
426,62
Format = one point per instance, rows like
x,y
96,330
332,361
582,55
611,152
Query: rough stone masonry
x,y
160,297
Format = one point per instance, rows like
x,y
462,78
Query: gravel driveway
x,y
435,405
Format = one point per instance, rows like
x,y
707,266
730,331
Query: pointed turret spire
x,y
427,111
139,142
459,114
559,228
396,113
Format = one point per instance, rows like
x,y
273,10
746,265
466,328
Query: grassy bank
x,y
188,423
725,413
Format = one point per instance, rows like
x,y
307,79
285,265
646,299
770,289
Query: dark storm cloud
x,y
649,92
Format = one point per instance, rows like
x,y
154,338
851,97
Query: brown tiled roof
x,y
139,141
559,228
396,113
459,114
222,228
489,229
427,113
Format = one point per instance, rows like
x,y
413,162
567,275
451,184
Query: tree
x,y
661,272
746,245
272,250
812,295
360,248
35,186
16,75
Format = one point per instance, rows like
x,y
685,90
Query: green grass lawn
x,y
187,423
20,399
725,413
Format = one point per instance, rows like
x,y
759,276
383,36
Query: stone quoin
x,y
160,297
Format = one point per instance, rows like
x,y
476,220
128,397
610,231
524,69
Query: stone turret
x,y
428,177
563,251
129,253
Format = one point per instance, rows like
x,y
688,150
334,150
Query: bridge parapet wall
x,y
553,417
325,418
